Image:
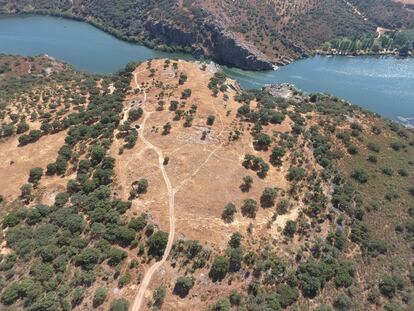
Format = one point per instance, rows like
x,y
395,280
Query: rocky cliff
x,y
212,41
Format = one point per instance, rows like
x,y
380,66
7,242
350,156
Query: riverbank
x,y
393,53
223,48
380,84
194,52
109,30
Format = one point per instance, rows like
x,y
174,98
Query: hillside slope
x,y
251,35
168,187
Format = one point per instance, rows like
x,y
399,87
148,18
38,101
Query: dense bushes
x,y
157,243
183,286
256,164
50,240
219,268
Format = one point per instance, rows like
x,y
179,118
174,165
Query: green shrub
x,y
159,296
120,304
100,296
219,268
249,208
228,213
288,295
157,243
183,285
222,304
360,175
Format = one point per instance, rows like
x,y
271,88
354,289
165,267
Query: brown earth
x,y
205,174
16,161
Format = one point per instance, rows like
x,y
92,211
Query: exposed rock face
x,y
213,41
225,48
169,34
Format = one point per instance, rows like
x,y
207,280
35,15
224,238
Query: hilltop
x,y
254,35
167,186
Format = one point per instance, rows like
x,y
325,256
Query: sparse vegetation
x,y
332,227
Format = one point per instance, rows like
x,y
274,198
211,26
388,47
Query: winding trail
x,y
139,298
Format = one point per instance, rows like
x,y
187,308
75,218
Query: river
x,y
381,84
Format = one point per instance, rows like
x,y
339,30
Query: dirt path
x,y
145,282
139,298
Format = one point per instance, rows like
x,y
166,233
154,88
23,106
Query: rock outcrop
x,y
169,33
227,49
213,41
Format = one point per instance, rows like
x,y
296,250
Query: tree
x,y
139,187
8,130
24,139
131,139
135,114
26,192
276,156
288,295
120,234
159,296
78,295
228,213
249,208
296,173
235,298
100,296
183,285
210,120
182,79
290,228
157,243
10,294
167,128
342,302
119,305
34,135
88,258
219,268
222,304
247,183
193,248
352,149
235,240
35,175
11,220
124,280
22,127
186,94
138,223
277,117
268,197
188,120
235,258
47,302
360,175
173,105
262,141
61,165
388,287
344,274
142,185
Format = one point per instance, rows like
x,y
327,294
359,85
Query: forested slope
x,y
246,34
